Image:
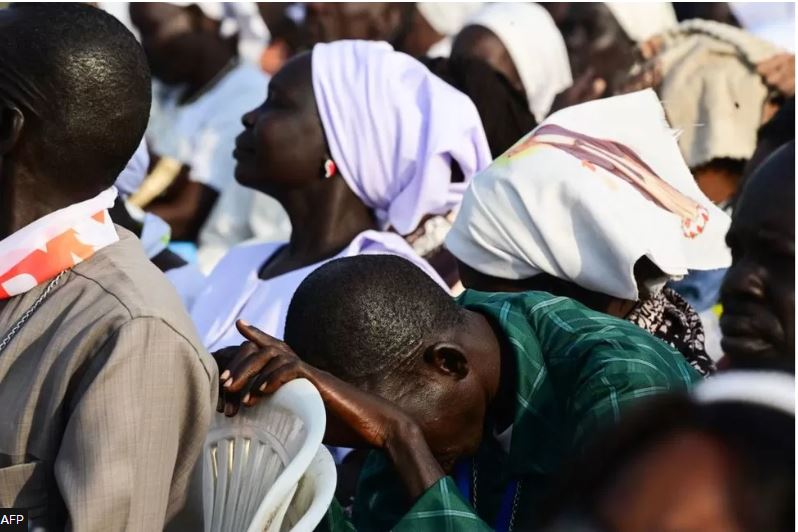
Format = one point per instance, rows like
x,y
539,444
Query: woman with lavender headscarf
x,y
362,146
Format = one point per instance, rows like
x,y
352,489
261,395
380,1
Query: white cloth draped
x,y
585,202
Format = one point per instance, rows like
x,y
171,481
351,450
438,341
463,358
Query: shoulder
x,y
121,282
242,258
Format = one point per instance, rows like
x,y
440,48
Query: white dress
x,y
234,291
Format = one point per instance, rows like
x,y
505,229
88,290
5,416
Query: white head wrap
x,y
643,20
394,128
583,197
711,90
536,47
448,18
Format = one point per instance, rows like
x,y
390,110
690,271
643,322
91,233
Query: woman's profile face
x,y
282,146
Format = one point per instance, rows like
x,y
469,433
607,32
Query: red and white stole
x,y
41,250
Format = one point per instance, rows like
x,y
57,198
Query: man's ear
x,y
447,359
11,122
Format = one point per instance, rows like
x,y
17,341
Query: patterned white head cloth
x,y
584,196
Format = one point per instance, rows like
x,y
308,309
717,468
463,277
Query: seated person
x,y
721,459
502,108
203,90
106,390
758,292
596,204
493,390
706,73
363,146
507,37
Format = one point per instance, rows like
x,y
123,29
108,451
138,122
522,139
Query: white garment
x,y
134,173
536,47
234,291
448,18
239,215
442,48
539,208
769,389
771,21
201,133
189,281
643,20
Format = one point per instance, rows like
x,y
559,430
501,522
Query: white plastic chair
x,y
253,462
313,495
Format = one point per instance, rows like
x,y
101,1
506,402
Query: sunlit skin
x,y
466,374
281,152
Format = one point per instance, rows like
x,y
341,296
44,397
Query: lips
x,y
242,149
749,333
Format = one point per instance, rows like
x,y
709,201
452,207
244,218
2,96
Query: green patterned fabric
x,y
577,371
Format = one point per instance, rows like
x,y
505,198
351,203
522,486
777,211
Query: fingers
x,y
248,367
274,374
255,335
240,353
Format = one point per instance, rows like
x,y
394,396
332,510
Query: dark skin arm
x,y
185,206
355,418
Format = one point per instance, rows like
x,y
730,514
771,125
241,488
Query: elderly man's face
x,y
758,293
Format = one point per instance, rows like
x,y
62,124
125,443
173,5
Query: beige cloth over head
x,y
711,90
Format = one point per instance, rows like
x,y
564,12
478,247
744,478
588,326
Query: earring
x,y
329,168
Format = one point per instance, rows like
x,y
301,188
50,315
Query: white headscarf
x,y
536,47
447,18
394,128
539,208
643,20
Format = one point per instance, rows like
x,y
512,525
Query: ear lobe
x,y
447,359
11,122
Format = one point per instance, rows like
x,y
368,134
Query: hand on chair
x,y
261,365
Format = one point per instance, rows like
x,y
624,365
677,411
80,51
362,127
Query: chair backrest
x,y
252,463
313,495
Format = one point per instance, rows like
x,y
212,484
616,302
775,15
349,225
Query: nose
x,y
743,280
248,120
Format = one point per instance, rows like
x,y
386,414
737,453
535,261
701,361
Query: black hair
x,y
82,82
504,110
361,317
761,442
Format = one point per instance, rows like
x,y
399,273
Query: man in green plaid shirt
x,y
473,406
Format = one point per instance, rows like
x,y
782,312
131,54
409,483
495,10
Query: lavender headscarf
x,y
393,129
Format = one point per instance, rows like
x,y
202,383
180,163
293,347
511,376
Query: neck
x,y
22,205
325,218
499,368
213,62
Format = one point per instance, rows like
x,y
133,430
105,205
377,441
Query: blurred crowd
x,y
538,259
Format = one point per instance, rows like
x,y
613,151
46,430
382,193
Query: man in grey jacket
x,y
106,393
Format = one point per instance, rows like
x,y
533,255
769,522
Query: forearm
x,y
413,460
404,442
